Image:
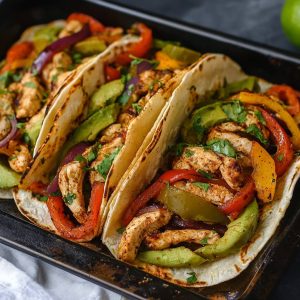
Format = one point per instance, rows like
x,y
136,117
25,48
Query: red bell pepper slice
x,y
139,49
153,190
288,95
284,154
38,188
111,73
240,200
67,228
95,26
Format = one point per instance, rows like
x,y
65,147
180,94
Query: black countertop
x,y
256,20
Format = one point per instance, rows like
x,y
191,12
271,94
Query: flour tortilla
x,y
65,115
208,75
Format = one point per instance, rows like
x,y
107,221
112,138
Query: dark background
x,y
256,20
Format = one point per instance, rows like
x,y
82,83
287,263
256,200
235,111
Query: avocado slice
x,y
108,92
89,129
45,35
202,119
238,234
33,128
173,258
90,46
8,177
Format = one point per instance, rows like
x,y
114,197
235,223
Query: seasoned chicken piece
x,y
71,27
229,127
5,126
111,34
251,119
70,181
137,229
55,72
111,132
198,158
215,194
20,158
232,172
168,238
103,154
125,119
30,96
240,144
6,104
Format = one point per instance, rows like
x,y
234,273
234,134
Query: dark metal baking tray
x,y
92,261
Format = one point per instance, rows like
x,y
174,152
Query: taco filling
x,y
206,200
76,187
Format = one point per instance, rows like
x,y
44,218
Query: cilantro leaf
x,y
204,241
80,158
104,166
235,111
188,153
138,60
280,157
205,174
69,198
256,132
121,230
137,108
30,84
222,147
202,185
192,278
260,117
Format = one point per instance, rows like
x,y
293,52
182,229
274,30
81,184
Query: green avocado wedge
x,y
8,178
238,234
172,258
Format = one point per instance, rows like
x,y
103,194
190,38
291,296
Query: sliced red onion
x,y
12,133
143,66
57,46
149,208
177,222
76,150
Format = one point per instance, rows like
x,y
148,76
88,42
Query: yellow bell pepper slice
x,y
259,99
264,173
166,62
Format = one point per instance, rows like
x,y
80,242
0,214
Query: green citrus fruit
x,y
290,20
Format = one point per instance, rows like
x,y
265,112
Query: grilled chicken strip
x,y
30,96
20,158
199,158
168,238
216,194
71,27
137,229
70,181
5,126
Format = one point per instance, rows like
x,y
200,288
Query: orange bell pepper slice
x,y
66,227
264,174
139,49
287,95
95,26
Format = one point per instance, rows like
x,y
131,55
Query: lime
x,y
290,20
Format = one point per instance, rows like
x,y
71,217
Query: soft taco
x,y
33,75
212,185
96,130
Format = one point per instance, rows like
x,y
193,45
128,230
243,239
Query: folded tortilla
x,y
206,76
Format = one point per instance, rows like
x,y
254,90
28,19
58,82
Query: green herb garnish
x,y
30,84
280,157
137,108
69,198
188,153
256,132
192,278
104,166
222,147
204,241
235,111
205,174
260,117
121,230
202,185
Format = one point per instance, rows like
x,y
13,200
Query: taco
x,y
212,185
32,77
96,130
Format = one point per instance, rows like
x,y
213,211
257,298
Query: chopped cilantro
x,y
153,83
205,174
20,125
30,84
41,197
26,138
104,166
179,148
192,278
80,158
202,185
92,155
69,198
123,99
188,153
204,241
280,157
260,117
35,72
77,57
137,108
222,147
137,60
256,132
56,194
121,230
235,111
16,77
5,79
